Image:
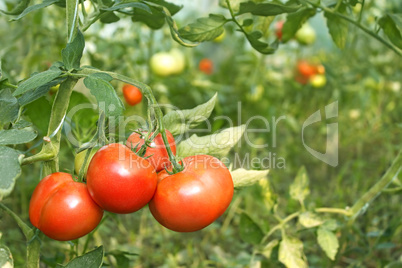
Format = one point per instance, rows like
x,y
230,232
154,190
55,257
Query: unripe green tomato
x,y
167,63
306,35
79,160
318,80
220,38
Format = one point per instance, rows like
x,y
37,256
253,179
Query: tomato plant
x,y
195,197
132,94
155,152
120,181
62,208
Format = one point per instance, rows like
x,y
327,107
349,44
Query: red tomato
x,y
206,66
132,94
156,152
119,180
62,208
306,69
195,197
278,29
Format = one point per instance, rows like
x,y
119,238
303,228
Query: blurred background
x,y
364,78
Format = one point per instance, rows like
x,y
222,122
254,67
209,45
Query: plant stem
x,y
23,226
146,90
374,191
33,254
280,225
333,210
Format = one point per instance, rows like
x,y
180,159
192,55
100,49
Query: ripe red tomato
x,y
119,180
132,94
62,208
206,66
156,153
195,197
306,69
278,29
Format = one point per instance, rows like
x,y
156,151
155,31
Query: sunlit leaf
x,y
291,253
328,242
204,29
299,188
243,177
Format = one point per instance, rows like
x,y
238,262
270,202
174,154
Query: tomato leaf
x,y
299,188
44,4
154,18
294,21
172,8
128,4
10,169
243,177
6,259
37,80
250,231
18,9
338,28
72,53
218,144
22,124
291,253
392,25
180,121
39,114
309,219
266,9
328,242
106,96
8,107
258,45
91,259
35,94
204,29
16,136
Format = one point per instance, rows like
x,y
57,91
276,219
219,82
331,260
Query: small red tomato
x,y
278,29
156,153
306,69
206,66
120,181
195,197
132,94
62,208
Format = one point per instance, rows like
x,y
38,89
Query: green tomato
x,y
167,63
306,35
220,38
318,80
79,160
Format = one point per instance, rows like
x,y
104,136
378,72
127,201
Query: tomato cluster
x,y
119,180
310,73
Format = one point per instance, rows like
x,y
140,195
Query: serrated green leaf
x,y
28,10
154,20
33,95
37,80
250,232
309,219
328,242
330,225
266,9
260,46
8,107
6,259
174,30
72,53
106,96
243,177
16,136
267,250
204,29
291,253
218,144
91,259
10,170
180,121
299,188
18,9
173,9
128,4
337,27
390,23
294,21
